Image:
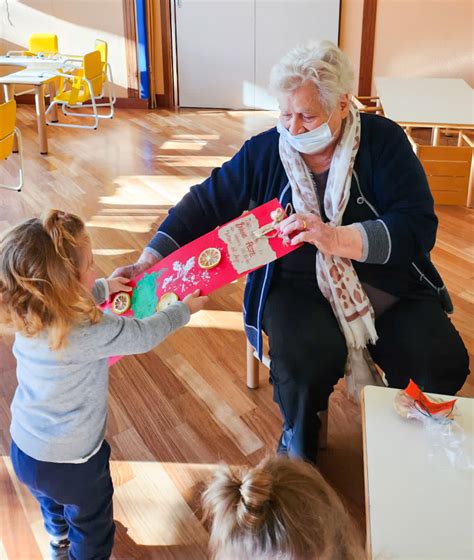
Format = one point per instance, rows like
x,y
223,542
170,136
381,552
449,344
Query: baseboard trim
x,y
163,101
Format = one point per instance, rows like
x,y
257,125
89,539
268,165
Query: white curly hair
x,y
320,62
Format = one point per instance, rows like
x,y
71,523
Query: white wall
x,y
425,38
77,23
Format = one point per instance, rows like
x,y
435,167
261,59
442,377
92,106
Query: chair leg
x,y
252,368
17,188
323,430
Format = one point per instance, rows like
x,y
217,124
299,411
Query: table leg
x,y
435,137
52,93
9,91
41,118
368,537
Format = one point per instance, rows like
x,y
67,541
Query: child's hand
x,y
119,284
195,302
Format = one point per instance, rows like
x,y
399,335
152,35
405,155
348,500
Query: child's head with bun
x,y
281,510
46,275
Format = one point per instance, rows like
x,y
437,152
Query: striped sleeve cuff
x,y
162,245
376,242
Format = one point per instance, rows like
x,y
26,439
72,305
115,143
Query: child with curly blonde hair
x,y
49,295
283,509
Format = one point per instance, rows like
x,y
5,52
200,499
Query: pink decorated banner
x,y
207,263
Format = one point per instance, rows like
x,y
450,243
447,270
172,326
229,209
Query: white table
x,y
430,102
415,509
37,72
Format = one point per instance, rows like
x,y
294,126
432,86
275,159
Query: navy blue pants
x,y
308,353
75,500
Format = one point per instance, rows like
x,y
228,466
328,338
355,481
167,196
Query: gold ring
x,y
305,225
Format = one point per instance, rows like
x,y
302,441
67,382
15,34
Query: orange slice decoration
x,y
121,303
165,300
209,258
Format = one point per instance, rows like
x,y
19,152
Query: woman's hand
x,y
119,284
130,271
341,241
309,228
195,302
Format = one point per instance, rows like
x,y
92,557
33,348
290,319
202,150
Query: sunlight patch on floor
x,y
213,319
193,161
135,224
196,137
152,507
194,145
149,190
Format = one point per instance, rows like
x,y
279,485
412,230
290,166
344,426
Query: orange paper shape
x,y
433,408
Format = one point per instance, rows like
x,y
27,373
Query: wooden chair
x,y
253,364
368,104
449,169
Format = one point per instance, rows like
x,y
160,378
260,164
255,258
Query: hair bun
x,y
255,492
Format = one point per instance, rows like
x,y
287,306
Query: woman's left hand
x,y
309,228
341,241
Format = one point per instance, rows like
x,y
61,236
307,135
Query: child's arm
x,y
100,291
103,287
120,336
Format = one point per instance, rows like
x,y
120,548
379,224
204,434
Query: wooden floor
x,y
181,409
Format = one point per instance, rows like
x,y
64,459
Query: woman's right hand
x,y
195,302
130,271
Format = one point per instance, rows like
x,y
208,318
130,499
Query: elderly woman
x,y
361,287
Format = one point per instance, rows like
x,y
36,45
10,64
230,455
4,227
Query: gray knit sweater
x,y
59,410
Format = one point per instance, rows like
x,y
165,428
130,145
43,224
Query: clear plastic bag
x,y
447,437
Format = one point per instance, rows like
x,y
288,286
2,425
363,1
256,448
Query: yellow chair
x,y
8,131
43,43
107,81
39,44
78,90
107,78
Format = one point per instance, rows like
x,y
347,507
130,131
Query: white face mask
x,y
312,142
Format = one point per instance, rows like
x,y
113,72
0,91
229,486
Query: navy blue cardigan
x,y
388,183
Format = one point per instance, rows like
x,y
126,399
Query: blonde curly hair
x,y
283,509
40,272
